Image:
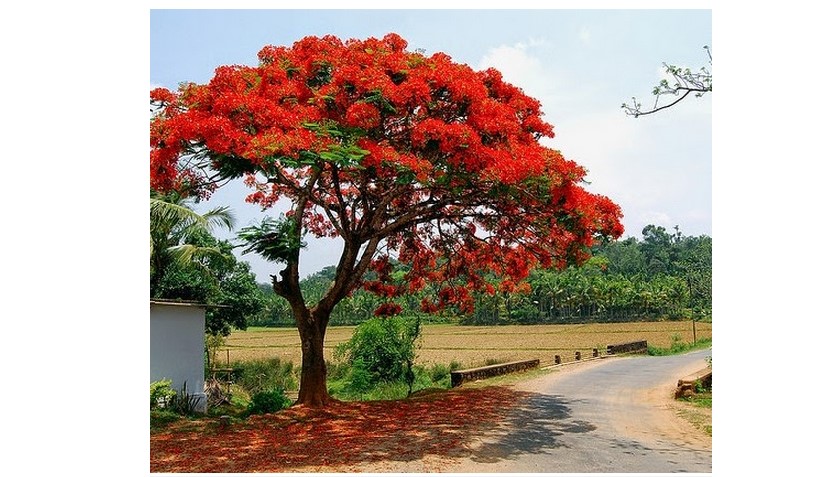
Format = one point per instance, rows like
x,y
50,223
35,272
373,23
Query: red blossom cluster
x,y
388,309
443,166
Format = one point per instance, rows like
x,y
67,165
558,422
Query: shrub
x,y
269,401
337,370
184,403
161,393
359,379
213,343
439,372
385,347
677,344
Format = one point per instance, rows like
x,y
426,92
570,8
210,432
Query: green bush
x,y
358,384
385,347
337,370
161,393
438,372
269,401
262,374
359,379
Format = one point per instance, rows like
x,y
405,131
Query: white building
x,y
178,346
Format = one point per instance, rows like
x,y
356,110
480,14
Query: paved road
x,y
610,415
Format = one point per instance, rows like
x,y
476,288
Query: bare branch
x,y
686,82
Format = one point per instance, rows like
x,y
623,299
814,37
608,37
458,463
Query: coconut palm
x,y
173,224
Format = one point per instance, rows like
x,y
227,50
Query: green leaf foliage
x,y
218,279
275,240
269,401
383,347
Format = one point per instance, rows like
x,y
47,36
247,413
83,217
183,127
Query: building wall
x,y
177,347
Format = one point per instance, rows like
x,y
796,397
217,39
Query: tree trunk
x,y
313,383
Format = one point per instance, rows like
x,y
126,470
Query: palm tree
x,y
173,223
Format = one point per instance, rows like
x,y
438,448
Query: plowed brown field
x,y
473,345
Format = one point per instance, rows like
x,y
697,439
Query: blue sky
x,y
581,64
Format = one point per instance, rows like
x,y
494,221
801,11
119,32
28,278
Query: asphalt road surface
x,y
610,415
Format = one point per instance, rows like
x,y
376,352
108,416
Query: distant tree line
x,y
664,275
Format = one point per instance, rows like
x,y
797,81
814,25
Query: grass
x,y
678,346
697,410
700,400
427,377
160,418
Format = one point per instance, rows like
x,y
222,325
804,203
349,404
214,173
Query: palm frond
x,y
221,216
177,215
187,254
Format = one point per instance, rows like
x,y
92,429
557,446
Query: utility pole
x,y
692,309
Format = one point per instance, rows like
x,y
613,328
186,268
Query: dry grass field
x,y
474,345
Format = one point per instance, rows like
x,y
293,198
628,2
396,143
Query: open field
x,y
473,345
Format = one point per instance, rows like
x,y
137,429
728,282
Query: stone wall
x,y
632,347
461,376
687,385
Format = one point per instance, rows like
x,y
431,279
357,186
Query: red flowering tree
x,y
400,155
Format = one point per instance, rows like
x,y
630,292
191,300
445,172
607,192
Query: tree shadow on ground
x,y
446,424
532,427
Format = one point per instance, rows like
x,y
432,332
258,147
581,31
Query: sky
x,y
580,64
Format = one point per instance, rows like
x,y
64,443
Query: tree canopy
x,y
400,155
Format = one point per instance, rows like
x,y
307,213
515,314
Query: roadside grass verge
x,y
679,346
697,410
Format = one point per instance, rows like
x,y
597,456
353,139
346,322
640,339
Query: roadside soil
x,y
342,437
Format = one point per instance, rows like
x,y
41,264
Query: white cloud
x,y
605,143
524,70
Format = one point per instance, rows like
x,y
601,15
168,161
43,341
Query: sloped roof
x,y
160,301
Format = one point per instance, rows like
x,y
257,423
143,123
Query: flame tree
x,y
399,155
